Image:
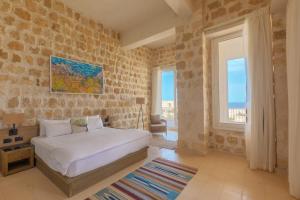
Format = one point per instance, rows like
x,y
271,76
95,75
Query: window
x,y
229,82
169,97
236,83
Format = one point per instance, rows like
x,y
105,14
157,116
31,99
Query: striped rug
x,y
158,179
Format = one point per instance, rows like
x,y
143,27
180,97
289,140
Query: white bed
x,y
75,154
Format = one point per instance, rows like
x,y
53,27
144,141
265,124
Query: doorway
x,y
169,102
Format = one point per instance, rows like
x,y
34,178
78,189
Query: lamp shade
x,y
140,100
13,118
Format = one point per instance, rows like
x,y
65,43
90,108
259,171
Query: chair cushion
x,y
155,128
155,119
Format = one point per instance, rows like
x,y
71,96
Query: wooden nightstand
x,y
16,158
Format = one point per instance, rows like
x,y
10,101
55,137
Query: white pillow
x,y
94,122
44,121
58,129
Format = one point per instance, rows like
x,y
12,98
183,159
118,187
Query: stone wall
x,y
194,79
280,78
232,141
222,140
218,11
164,56
32,30
189,58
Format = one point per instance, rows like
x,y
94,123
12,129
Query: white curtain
x,y
156,91
293,71
260,126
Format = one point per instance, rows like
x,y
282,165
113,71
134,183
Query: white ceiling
x,y
162,42
126,16
120,15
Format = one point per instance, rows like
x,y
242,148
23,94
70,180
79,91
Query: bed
x,y
76,161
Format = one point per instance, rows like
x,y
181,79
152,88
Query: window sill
x,y
230,127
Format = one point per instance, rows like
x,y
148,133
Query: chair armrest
x,y
164,121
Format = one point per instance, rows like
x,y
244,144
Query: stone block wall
x,y
164,56
195,81
221,140
231,141
218,11
280,80
189,58
32,30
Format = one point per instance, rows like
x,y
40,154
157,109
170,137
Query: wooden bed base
x,y
74,185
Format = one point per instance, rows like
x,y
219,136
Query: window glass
x,y
168,96
236,87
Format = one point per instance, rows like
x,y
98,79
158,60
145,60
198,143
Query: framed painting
x,y
75,77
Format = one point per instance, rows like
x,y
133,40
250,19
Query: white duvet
x,y
64,150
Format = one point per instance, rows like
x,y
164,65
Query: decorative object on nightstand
x,y
13,120
140,101
105,118
16,158
106,122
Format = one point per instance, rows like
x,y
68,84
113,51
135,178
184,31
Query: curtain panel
x,y
260,126
156,91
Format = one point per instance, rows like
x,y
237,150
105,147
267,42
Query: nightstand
x,y
16,158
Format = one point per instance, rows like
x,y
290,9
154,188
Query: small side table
x,y
16,159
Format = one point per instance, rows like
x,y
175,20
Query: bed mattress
x,y
75,154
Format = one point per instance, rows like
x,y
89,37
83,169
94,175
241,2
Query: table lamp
x,y
12,120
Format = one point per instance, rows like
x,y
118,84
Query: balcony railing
x,y
237,115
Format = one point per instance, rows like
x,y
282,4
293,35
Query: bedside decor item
x,y
13,120
79,124
75,77
25,134
16,159
106,122
158,179
140,101
105,117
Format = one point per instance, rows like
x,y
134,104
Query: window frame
x,y
217,124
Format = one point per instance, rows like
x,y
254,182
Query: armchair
x,y
158,125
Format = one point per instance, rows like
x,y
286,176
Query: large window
x,y
229,82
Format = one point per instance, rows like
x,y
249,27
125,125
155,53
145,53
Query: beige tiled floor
x,y
220,177
163,140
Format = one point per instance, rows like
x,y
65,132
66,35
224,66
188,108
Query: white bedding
x,y
75,154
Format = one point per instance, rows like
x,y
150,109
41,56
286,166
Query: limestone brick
x,y
32,30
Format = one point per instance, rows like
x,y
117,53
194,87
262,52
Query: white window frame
x,y
217,124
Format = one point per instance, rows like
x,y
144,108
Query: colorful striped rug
x,y
158,179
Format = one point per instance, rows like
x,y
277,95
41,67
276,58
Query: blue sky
x,y
168,85
237,80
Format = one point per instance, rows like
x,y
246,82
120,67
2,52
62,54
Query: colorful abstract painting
x,y
70,76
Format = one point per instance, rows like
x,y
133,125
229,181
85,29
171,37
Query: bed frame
x,y
74,185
